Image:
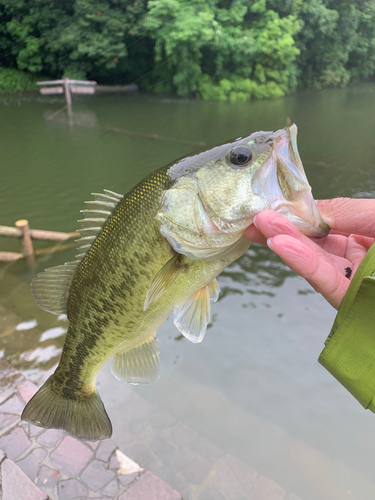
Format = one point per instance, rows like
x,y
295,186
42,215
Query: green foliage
x,y
14,80
66,37
204,46
336,42
216,49
361,63
240,89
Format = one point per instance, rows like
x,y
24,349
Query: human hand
x,y
327,263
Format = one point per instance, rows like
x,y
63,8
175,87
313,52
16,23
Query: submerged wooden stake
x,y
26,243
26,235
67,92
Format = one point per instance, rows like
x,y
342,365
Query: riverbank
x,y
13,81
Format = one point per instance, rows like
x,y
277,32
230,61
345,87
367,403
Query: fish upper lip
x,y
289,135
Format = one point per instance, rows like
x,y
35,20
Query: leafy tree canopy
x,y
218,49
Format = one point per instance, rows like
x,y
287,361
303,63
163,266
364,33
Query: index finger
x,y
347,215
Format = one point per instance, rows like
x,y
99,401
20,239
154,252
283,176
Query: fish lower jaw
x,y
307,222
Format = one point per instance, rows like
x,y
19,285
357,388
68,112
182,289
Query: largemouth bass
x,y
156,250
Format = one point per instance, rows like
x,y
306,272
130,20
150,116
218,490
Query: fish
x,y
154,251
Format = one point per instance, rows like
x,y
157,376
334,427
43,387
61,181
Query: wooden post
x,y
26,243
68,97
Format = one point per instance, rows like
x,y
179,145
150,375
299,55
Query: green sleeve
x,y
349,352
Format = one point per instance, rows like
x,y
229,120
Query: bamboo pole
x,y
37,234
56,113
56,248
141,134
152,136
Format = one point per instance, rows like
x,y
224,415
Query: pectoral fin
x,y
192,316
163,279
139,365
214,289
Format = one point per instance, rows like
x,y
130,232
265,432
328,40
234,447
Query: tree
x,y
216,49
237,50
70,38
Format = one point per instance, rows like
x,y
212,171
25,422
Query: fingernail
x,y
254,221
269,243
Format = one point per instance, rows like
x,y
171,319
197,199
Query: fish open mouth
x,y
289,191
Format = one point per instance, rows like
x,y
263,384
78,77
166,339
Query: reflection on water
x,y
256,268
253,387
41,354
52,333
26,325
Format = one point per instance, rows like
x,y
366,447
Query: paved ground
x,y
37,464
50,464
182,457
40,464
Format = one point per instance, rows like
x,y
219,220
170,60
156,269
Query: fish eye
x,y
240,156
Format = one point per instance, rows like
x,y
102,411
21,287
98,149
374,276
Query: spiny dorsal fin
x,y
51,287
139,365
95,216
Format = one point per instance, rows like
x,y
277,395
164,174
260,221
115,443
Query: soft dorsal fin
x,y
139,365
193,315
51,287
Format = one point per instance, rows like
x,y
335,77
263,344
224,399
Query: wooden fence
x,y
25,235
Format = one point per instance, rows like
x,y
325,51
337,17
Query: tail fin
x,y
83,418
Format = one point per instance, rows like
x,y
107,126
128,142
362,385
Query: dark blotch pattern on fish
x,y
113,284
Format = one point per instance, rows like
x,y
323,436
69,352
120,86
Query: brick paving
x,y
49,464
43,464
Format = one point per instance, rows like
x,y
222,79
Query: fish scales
x,y
160,249
133,239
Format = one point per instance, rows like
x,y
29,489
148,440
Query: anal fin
x,y
139,365
193,315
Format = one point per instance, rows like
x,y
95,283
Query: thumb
x,y
323,277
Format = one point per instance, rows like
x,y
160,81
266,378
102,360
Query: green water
x,y
253,387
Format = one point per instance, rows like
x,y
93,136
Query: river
x,y
253,390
